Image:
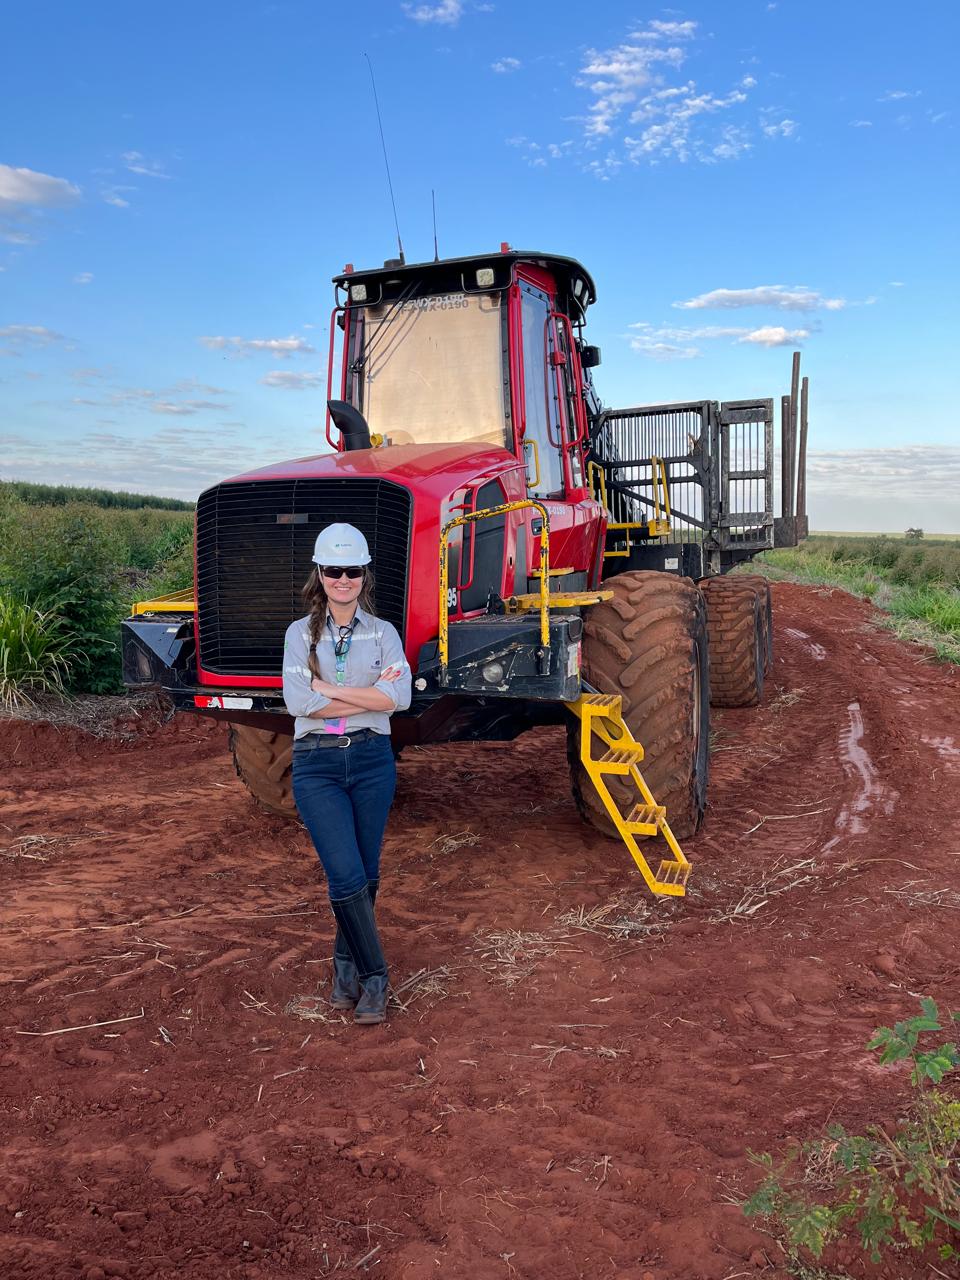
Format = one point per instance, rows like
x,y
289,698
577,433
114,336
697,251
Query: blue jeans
x,y
344,797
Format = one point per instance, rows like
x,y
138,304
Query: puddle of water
x,y
816,651
871,793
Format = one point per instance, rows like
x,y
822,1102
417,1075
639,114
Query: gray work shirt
x,y
374,646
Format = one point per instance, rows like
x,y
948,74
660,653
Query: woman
x,y
344,674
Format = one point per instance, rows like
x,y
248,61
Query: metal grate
x,y
680,434
254,547
746,474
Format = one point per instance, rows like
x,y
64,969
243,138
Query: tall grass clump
x,y
66,560
33,653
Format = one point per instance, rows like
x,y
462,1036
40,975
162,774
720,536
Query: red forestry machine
x,y
546,560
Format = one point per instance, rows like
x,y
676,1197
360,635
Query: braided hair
x,y
315,598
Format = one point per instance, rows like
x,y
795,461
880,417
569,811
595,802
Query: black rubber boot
x,y
355,919
346,984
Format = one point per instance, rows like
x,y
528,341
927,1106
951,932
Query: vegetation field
x,y
917,582
72,561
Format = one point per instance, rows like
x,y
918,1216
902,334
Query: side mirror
x,y
589,357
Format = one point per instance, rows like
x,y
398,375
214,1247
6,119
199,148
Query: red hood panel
x,y
436,468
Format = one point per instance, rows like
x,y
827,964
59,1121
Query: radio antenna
x,y
386,162
436,251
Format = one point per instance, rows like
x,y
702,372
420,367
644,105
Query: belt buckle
x,y
343,741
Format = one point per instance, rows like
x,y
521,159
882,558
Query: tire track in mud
x,y
590,1116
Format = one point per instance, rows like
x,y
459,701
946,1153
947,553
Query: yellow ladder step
x,y
674,872
647,815
601,699
622,756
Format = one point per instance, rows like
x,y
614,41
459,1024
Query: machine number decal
x,y
443,302
452,599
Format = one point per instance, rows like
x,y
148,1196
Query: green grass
x,y
33,653
83,563
57,495
916,584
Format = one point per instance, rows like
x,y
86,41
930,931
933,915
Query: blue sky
x,y
178,183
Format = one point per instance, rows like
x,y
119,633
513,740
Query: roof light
x,y
358,293
485,277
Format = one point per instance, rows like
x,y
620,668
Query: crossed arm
x,y
360,699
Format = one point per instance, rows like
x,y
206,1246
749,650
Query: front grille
x,y
251,568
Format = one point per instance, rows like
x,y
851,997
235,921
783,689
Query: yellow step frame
x,y
601,718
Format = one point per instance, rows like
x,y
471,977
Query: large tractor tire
x,y
262,760
762,587
737,621
649,644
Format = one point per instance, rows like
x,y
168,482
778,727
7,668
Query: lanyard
x,y
341,647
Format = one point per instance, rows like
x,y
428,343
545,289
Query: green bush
x,y
66,560
895,1189
57,495
173,573
149,536
33,653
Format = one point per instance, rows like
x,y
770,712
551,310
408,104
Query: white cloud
x,y
781,297
27,337
181,408
447,12
633,81
649,346
178,460
674,343
282,347
775,336
896,284
780,129
615,78
505,65
861,124
84,277
111,195
289,381
670,30
24,194
137,163
922,475
898,95
36,190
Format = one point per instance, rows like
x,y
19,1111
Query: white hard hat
x,y
341,544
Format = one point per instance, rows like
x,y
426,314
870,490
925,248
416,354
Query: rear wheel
x,y
737,619
762,587
649,645
262,760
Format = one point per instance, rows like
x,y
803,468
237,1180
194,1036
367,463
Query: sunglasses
x,y
335,571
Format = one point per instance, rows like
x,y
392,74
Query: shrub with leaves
x,y
66,560
893,1189
33,653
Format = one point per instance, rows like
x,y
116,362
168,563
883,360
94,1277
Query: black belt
x,y
316,741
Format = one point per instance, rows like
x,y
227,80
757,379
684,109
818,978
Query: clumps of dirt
x,y
118,718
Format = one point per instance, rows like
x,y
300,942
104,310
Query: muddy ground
x,y
569,1090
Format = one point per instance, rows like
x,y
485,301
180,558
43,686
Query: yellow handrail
x,y
543,570
532,444
177,602
601,484
659,475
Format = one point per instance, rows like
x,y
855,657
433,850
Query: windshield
x,y
431,371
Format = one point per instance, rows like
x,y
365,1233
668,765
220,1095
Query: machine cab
x,y
480,350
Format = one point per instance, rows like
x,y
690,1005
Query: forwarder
x,y
546,560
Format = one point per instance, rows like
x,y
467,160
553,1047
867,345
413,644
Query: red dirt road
x,y
567,1103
